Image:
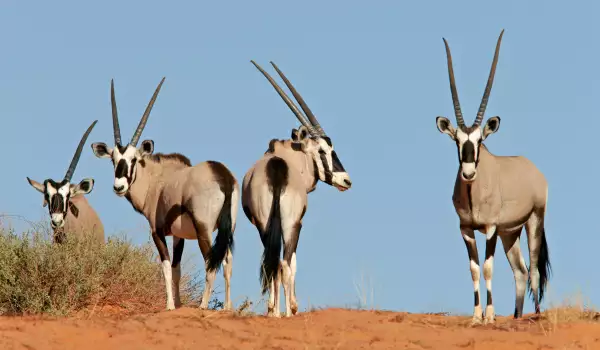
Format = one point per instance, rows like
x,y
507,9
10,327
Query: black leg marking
x,y
473,256
158,237
490,249
178,252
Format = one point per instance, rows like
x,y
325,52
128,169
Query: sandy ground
x,y
189,328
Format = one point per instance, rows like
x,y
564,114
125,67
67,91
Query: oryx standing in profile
x,y
275,194
497,195
178,199
70,212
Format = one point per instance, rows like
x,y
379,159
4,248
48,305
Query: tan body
x,y
168,184
86,221
504,194
257,195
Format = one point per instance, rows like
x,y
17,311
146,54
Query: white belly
x,y
183,227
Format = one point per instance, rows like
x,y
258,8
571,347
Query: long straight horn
x,y
287,100
303,105
142,124
459,117
488,87
75,159
115,116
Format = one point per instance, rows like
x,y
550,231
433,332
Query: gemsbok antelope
x,y
178,199
497,195
275,195
70,212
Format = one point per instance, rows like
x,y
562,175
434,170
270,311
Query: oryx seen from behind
x,y
70,212
275,194
178,199
497,195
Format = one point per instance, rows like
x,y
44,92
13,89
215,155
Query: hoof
x,y
170,307
489,320
294,309
476,321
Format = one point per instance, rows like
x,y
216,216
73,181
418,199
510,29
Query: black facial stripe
x,y
133,161
337,165
327,139
468,152
57,204
326,169
121,170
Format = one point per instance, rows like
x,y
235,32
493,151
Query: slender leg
x,y
159,239
276,290
204,238
512,248
294,301
291,236
178,244
488,272
469,237
228,262
534,240
273,303
286,276
227,269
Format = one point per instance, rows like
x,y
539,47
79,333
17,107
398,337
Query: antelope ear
x,y
300,134
38,186
491,126
445,126
84,187
299,137
147,148
101,150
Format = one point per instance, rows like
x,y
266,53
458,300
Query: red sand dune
x,y
189,328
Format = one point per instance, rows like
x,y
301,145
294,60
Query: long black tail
x,y
224,239
544,266
277,175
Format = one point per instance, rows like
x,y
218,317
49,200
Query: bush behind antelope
x,y
37,276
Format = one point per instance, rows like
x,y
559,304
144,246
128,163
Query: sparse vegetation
x,y
37,276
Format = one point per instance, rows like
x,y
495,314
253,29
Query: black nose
x,y
348,182
468,177
119,189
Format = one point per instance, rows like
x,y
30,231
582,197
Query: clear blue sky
x,y
375,75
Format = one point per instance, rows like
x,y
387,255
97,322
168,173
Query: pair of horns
x,y
77,154
486,94
309,120
138,132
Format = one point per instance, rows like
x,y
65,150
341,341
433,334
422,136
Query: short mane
x,y
176,158
294,145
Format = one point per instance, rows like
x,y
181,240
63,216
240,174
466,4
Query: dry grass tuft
x,y
571,310
37,276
